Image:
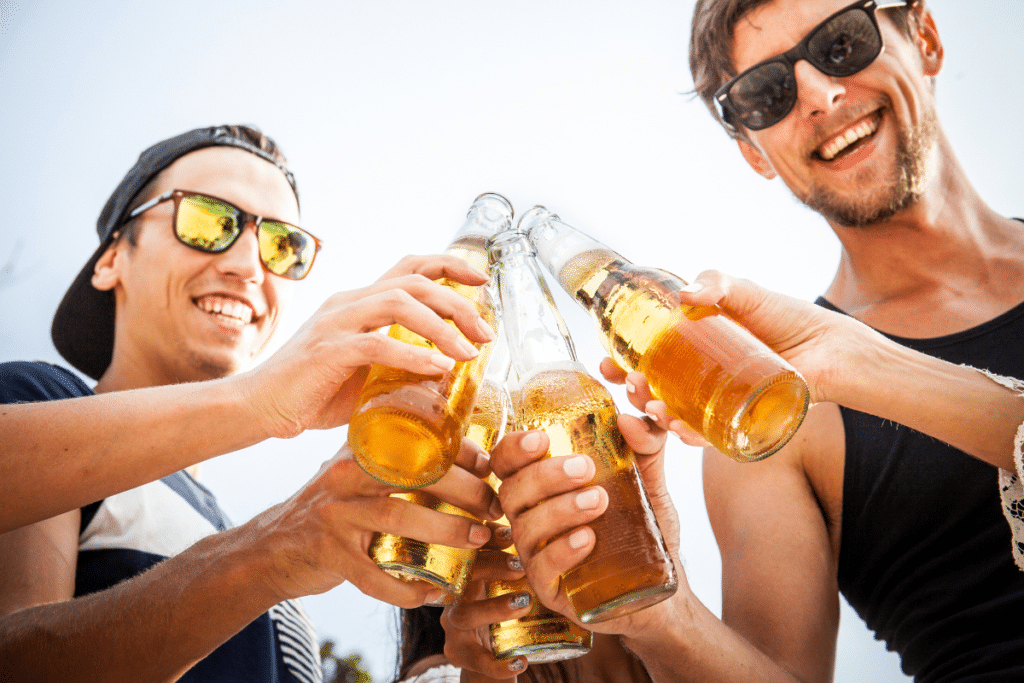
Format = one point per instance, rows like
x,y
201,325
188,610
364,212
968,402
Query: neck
x,y
947,244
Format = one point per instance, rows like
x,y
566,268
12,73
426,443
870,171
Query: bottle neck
x,y
535,332
489,214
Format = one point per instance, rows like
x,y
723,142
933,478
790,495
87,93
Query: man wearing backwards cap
x,y
199,251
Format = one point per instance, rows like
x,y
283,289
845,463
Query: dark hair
x,y
421,635
711,43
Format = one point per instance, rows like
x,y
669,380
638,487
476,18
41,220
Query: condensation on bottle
x,y
630,567
716,376
406,428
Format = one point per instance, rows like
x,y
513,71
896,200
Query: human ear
x,y
756,159
929,44
107,272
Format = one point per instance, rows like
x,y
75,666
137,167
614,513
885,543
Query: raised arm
x,y
848,363
59,455
179,611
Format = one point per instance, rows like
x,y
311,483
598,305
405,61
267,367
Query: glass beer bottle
x,y
629,568
541,635
445,567
406,428
716,376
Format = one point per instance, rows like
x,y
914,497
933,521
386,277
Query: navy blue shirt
x,y
126,534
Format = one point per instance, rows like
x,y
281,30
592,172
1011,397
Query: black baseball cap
x,y
83,326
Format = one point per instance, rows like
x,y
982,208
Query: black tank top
x,y
926,556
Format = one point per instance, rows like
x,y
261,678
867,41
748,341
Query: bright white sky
x,y
395,114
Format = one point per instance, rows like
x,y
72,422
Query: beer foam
x,y
564,365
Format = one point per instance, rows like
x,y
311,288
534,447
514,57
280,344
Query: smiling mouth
x,y
849,139
227,309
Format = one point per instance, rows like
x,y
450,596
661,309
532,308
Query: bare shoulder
x,y
807,470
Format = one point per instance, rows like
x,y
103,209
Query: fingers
x,y
708,289
516,450
611,371
661,418
411,520
467,634
555,517
644,436
437,266
543,479
497,565
467,491
558,557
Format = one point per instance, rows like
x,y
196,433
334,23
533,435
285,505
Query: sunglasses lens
x,y
845,44
286,250
764,95
206,223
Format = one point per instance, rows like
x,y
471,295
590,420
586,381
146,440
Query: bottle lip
x,y
507,243
532,217
497,197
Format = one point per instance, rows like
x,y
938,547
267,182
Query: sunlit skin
x,y
916,273
165,334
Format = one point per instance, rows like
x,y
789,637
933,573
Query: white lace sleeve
x,y
1011,484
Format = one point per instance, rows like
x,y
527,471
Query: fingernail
x,y
531,441
504,532
576,466
433,597
692,287
517,665
653,417
468,348
630,389
496,511
479,534
514,563
519,601
578,539
588,500
441,361
485,329
482,463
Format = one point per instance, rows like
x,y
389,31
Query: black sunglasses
x,y
845,43
212,225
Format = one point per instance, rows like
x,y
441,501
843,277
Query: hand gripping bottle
x,y
630,567
541,635
449,568
727,385
406,428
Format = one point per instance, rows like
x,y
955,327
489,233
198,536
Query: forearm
x,y
153,627
692,644
59,455
953,403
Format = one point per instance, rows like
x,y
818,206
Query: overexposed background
x,y
395,114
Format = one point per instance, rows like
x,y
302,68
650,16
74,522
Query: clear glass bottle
x,y
630,567
406,428
445,567
541,635
716,376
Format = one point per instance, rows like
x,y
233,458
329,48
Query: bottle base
x,y
628,604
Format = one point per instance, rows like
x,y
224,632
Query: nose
x,y
242,259
817,93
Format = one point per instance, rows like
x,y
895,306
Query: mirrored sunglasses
x,y
212,225
845,43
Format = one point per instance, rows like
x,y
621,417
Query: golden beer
x,y
541,635
445,567
629,568
406,428
712,373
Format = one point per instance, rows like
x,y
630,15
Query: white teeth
x,y
229,309
837,144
